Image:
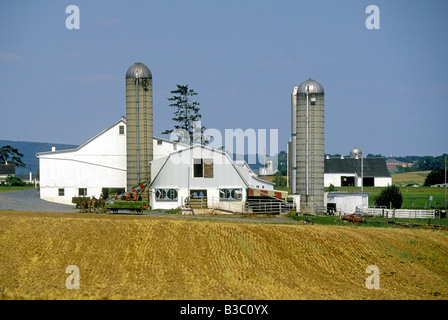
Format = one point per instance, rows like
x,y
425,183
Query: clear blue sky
x,y
386,90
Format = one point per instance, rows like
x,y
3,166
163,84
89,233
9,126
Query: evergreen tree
x,y
11,155
189,129
435,177
390,194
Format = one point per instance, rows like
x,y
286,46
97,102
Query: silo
x,y
139,124
307,137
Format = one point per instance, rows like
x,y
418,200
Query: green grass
x,y
15,188
413,198
376,222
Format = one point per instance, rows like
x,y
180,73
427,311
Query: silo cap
x,y
140,69
313,85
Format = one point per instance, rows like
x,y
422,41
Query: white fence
x,y
401,213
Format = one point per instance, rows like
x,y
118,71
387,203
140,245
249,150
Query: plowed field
x,y
141,257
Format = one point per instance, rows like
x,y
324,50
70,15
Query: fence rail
x,y
401,213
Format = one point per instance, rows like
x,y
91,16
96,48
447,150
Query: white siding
x,y
176,171
101,162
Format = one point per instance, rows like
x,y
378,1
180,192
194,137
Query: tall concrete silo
x,y
139,124
307,144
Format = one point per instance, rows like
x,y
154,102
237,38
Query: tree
x,y
11,155
435,177
14,181
279,180
283,162
189,129
390,194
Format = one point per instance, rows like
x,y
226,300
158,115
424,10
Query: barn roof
x,y
7,169
373,167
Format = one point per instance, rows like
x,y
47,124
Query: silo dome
x,y
355,152
315,86
143,71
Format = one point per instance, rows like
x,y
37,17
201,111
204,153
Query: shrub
x,y
390,194
14,181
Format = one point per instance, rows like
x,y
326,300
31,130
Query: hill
x,y
408,178
29,150
141,257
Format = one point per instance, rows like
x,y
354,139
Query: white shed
x,y
348,202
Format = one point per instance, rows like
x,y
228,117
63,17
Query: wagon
x,y
134,207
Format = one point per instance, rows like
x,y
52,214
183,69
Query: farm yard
x,y
168,257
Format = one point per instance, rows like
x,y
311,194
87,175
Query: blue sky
x,y
386,90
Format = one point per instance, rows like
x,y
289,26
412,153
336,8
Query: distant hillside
x,y
29,150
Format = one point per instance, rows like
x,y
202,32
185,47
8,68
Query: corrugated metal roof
x,y
315,86
143,71
373,167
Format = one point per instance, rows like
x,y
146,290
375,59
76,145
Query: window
x,y
159,142
61,192
203,168
230,194
166,194
121,129
82,192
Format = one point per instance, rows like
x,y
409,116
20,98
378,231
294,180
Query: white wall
x,y
383,181
349,202
176,171
100,162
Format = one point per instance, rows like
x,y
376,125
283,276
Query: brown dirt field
x,y
141,257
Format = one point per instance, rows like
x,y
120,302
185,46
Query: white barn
x,y
204,172
347,172
84,171
98,164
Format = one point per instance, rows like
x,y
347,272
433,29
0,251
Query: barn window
x,y
82,192
203,168
121,129
61,192
166,194
230,194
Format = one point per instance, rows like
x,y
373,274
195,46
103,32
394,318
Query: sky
x,y
386,89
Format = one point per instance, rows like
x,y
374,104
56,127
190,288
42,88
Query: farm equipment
x,y
355,218
130,201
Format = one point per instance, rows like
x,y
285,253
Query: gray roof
x,y
373,167
315,86
7,169
143,71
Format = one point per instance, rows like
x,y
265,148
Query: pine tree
x,y
11,155
189,129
